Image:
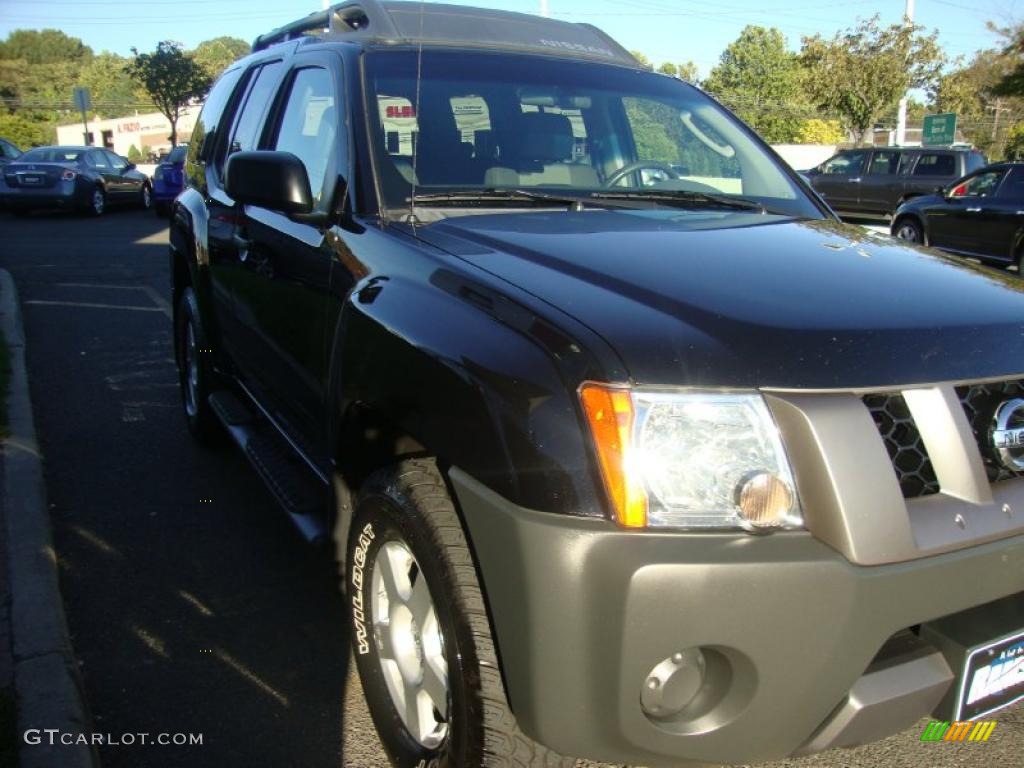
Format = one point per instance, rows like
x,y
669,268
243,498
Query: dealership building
x,y
149,133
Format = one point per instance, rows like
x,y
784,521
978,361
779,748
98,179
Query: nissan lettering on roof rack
x,y
628,448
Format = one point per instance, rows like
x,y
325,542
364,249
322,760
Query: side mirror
x,y
130,166
274,180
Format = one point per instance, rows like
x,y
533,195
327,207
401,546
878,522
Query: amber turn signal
x,y
610,414
765,500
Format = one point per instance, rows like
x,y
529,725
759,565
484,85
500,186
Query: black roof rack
x,y
380,21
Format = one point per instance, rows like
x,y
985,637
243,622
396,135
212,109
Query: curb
x,y
48,692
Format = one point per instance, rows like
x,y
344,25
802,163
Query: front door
x,y
840,179
965,222
282,290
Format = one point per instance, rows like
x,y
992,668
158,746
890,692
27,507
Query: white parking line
x,y
91,305
157,299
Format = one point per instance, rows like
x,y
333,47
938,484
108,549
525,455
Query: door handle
x,y
974,210
242,246
855,181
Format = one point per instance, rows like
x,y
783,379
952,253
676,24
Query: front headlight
x,y
691,459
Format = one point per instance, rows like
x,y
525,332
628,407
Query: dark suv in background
x,y
876,181
629,449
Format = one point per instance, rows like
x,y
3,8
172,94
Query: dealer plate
x,y
992,678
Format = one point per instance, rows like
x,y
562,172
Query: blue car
x,y
169,180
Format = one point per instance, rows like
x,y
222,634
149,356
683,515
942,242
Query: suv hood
x,y
737,299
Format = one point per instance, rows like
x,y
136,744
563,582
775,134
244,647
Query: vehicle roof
x,y
74,147
943,148
386,22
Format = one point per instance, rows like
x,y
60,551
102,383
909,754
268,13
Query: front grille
x,y
980,402
906,449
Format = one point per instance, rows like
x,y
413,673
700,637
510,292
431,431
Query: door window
x,y
847,164
982,185
934,164
119,164
309,125
884,163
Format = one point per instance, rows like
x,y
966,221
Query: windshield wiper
x,y
495,195
684,196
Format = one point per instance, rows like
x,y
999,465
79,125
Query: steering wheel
x,y
639,165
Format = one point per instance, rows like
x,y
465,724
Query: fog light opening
x,y
673,684
764,500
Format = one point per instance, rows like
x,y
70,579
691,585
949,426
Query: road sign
x,y
82,100
939,129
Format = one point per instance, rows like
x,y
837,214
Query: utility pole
x,y
544,11
901,120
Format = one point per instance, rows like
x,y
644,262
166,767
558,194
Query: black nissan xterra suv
x,y
630,449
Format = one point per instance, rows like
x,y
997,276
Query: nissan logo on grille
x,y
1008,434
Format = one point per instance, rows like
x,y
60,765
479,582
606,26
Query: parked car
x,y
980,215
8,152
876,181
645,468
169,179
73,178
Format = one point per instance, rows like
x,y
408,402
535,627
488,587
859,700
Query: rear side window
x,y
309,125
974,161
204,137
246,133
934,164
1013,186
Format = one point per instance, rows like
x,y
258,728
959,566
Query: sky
x,y
665,30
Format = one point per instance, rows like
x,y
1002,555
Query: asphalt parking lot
x,y
193,605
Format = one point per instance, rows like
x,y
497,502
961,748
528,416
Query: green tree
x,y
861,73
110,91
215,55
816,130
43,46
171,78
761,80
687,71
644,61
25,131
986,115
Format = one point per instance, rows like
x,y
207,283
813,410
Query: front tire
x,y
910,230
420,630
146,197
194,371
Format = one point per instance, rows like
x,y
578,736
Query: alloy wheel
x,y
410,644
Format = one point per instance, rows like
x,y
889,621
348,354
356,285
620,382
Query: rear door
x,y
840,179
282,289
238,128
881,187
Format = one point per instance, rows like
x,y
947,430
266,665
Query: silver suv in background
x,y
876,181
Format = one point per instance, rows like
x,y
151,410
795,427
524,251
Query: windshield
x,y
481,121
51,155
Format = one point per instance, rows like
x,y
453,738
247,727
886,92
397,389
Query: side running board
x,y
302,494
